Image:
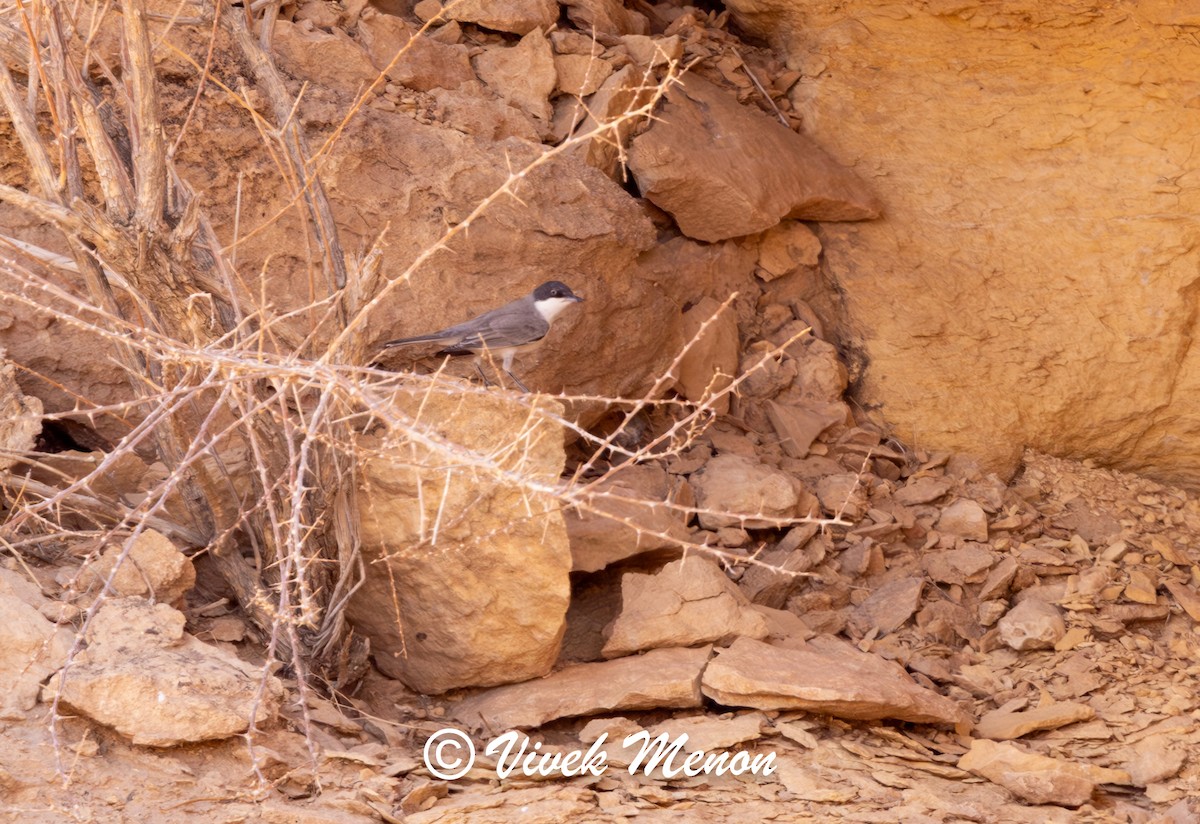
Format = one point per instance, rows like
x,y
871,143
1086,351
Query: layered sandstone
x,y
1035,278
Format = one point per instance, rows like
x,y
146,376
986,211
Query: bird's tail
x,y
434,338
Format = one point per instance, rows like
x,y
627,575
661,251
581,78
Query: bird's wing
x,y
504,327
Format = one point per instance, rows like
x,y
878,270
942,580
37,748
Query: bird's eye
x,y
557,293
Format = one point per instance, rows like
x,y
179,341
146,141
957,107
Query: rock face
x,y
144,676
962,119
454,555
724,170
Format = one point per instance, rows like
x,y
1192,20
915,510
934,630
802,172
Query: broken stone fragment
x,y
626,516
711,361
513,16
732,489
708,733
959,566
887,608
606,17
725,170
687,602
332,56
1155,758
924,489
524,74
786,247
1035,778
771,582
425,65
660,678
142,675
842,495
603,117
1032,624
821,376
964,518
153,568
998,580
20,416
31,647
1142,587
581,74
827,676
798,426
1186,597
653,51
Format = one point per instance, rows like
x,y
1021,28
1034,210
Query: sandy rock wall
x,y
1034,278
455,111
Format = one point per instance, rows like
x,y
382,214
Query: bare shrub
x,y
256,427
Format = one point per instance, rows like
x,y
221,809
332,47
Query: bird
x,y
514,327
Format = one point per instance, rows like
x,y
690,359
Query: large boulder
x,y
467,562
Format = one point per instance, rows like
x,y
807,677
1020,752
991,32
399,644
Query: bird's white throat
x,y
549,308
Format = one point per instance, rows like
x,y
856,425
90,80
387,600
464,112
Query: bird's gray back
x,y
513,324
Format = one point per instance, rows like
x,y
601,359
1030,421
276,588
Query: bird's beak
x,y
576,298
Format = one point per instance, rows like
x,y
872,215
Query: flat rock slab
x,y
725,170
923,490
707,733
888,607
514,16
1002,726
1035,778
826,676
662,678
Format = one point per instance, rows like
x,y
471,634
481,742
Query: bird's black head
x,y
555,289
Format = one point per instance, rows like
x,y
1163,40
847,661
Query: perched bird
x,y
514,327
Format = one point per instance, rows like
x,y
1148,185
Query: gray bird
x,y
514,327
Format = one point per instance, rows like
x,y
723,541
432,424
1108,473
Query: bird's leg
x,y
517,381
508,364
482,376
